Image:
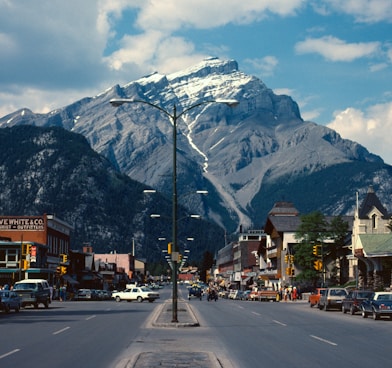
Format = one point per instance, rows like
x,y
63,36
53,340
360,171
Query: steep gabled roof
x,y
284,217
371,200
283,223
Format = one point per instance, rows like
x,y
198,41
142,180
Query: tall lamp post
x,y
174,116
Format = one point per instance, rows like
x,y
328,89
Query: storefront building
x,y
33,247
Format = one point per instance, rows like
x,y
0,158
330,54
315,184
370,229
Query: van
x,y
33,292
332,298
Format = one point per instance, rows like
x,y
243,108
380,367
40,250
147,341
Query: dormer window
x,y
374,221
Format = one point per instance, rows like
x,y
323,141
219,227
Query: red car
x,y
314,298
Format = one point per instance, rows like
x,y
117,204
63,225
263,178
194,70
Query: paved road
x,y
231,334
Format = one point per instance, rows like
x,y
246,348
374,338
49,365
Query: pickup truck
x,y
264,295
314,298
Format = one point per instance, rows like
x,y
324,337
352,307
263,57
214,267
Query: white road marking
x,y
324,340
91,317
9,353
279,323
60,331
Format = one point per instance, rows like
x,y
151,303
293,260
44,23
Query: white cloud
x,y
366,11
159,20
264,66
371,128
334,49
173,14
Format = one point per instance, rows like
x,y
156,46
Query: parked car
x,y
223,294
10,300
245,295
378,305
86,294
103,294
136,293
314,298
332,298
354,299
33,292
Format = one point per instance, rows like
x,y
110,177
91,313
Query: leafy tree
x,y
312,231
338,230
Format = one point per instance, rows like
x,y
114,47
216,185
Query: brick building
x,y
33,247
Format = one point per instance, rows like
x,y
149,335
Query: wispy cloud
x,y
263,66
365,11
334,49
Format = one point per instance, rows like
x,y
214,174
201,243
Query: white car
x,y
136,293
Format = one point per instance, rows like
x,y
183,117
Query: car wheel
x,y
363,313
344,309
46,304
376,316
311,305
118,299
139,299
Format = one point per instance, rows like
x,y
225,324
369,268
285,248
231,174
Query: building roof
x,y
371,200
376,245
283,209
283,223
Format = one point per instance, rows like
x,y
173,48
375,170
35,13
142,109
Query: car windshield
x,y
145,289
25,286
385,297
338,292
364,294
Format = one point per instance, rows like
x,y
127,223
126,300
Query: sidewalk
x,y
162,319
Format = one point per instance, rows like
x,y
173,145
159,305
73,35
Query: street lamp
x,y
174,116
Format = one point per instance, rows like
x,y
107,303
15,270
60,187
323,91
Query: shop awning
x,y
70,280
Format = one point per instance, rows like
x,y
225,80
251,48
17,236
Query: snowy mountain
x,y
248,157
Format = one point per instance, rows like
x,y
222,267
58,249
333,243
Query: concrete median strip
x,y
186,317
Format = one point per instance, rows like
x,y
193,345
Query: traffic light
x,y
292,259
64,258
169,248
28,248
288,271
63,270
318,265
292,272
315,250
25,264
286,258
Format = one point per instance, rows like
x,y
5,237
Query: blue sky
x,y
333,57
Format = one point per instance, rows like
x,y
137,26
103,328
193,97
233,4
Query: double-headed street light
x,y
174,116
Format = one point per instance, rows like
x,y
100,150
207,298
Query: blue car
x,y
9,300
378,305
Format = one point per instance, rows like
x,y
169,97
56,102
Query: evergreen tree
x,y
312,231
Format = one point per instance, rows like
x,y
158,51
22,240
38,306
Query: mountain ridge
x,y
237,153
